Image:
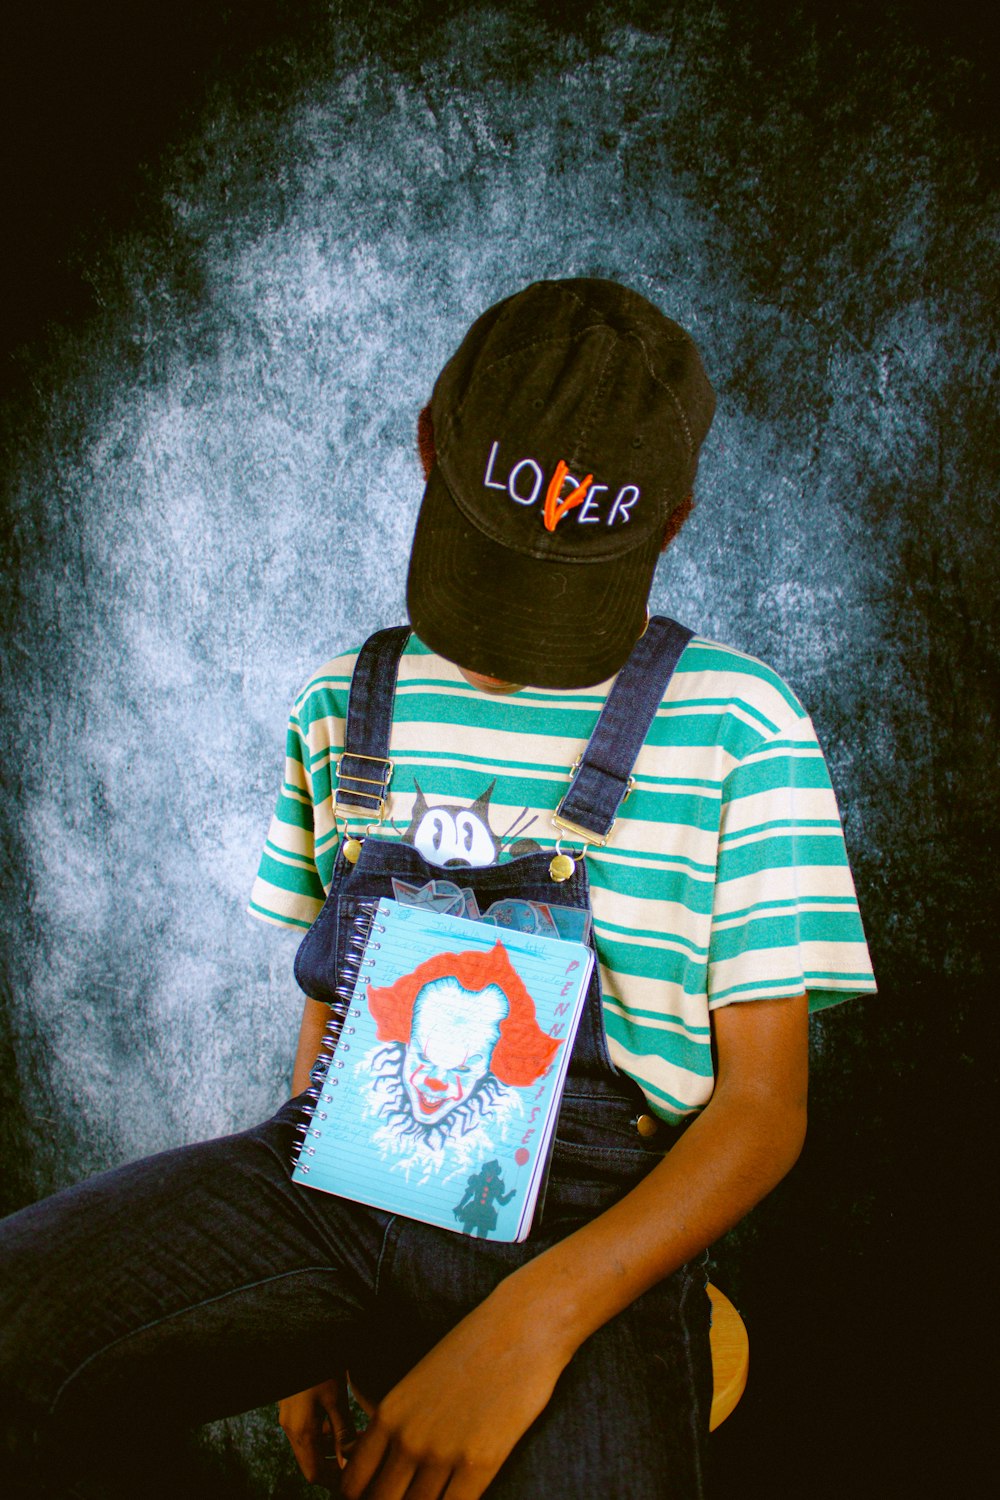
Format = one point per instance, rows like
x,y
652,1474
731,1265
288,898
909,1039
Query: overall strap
x,y
364,771
602,777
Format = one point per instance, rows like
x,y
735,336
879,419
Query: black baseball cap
x,y
566,430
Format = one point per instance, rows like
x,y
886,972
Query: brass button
x,y
647,1126
561,868
352,851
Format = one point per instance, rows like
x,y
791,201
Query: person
x,y
532,735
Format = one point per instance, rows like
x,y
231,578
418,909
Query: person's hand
x,y
319,1426
444,1431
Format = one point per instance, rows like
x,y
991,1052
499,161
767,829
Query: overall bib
x,y
595,1091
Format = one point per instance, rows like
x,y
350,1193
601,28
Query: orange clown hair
x,y
523,1052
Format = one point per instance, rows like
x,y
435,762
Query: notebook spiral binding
x,y
341,1010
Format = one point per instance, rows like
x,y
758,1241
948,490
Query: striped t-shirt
x,y
725,878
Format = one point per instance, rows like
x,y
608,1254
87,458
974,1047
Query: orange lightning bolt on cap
x,y
555,508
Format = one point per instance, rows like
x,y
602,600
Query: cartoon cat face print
x,y
450,834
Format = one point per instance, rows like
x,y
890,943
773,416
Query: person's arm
x,y
317,1422
315,1016
439,1433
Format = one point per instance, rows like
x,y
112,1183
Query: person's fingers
x,y
368,1407
431,1482
367,1454
339,1431
302,1422
320,1428
467,1483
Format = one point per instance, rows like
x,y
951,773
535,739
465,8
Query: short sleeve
x,y
785,914
288,889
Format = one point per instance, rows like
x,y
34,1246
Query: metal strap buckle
x,y
379,797
587,834
597,839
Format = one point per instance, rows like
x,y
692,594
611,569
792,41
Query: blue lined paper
x,y
441,1098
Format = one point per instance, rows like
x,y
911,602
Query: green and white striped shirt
x,y
726,876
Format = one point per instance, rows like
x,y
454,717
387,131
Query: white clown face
x,y
451,1046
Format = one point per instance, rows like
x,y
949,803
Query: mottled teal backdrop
x,y
240,243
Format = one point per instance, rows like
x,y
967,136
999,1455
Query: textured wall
x,y
268,248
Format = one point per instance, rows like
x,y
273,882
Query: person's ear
x,y
425,441
676,521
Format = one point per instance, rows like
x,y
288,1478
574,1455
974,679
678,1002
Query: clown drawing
x,y
459,1038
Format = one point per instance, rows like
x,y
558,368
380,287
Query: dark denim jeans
x,y
202,1282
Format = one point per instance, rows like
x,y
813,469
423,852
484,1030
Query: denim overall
x,y
202,1281
606,1139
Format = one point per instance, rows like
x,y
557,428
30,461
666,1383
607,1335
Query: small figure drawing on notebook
x,y
476,1210
457,1039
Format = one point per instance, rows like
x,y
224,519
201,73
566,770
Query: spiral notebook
x,y
437,1092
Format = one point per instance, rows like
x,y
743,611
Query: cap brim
x,y
521,619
